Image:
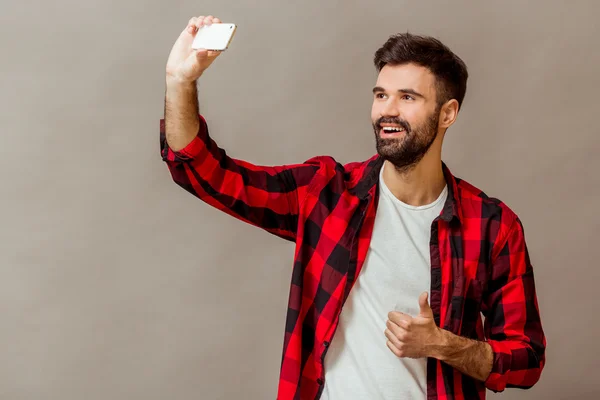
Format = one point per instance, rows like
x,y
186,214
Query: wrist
x,y
173,81
179,90
441,344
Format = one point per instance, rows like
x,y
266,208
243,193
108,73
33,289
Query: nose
x,y
390,109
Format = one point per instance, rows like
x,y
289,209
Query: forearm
x,y
471,357
181,113
265,196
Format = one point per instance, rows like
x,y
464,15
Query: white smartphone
x,y
214,37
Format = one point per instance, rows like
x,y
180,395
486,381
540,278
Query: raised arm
x,y
269,197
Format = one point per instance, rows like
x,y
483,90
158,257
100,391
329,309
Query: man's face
x,y
405,114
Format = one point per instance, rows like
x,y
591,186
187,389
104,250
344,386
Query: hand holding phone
x,y
193,53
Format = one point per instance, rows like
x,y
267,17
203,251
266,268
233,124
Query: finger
x,y
208,20
397,316
394,349
202,55
213,54
191,26
425,310
199,21
216,21
399,331
392,338
192,21
401,326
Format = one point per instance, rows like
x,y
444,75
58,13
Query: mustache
x,y
397,121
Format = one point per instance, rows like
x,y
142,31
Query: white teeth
x,y
392,129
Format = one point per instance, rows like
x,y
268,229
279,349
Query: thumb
x,y
196,63
425,310
201,53
206,57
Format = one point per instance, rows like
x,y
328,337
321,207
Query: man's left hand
x,y
413,337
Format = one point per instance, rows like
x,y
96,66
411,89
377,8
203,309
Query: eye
x,y
407,97
379,95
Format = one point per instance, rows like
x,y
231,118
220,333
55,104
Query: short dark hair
x,y
450,71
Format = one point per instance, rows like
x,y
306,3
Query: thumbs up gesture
x,y
414,337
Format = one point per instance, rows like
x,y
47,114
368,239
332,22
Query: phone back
x,y
214,37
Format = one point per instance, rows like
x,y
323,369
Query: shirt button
x,y
326,344
320,381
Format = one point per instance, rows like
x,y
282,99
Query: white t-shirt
x,y
358,364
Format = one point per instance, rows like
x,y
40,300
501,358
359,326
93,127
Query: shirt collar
x,y
366,182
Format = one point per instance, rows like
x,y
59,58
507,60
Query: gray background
x,y
116,284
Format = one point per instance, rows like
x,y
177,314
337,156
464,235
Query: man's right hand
x,y
186,65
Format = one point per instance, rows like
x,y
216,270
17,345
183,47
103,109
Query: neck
x,y
421,184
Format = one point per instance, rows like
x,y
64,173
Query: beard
x,y
406,151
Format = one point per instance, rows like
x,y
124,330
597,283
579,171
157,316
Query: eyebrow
x,y
378,89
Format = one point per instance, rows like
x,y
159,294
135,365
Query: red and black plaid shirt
x,y
479,260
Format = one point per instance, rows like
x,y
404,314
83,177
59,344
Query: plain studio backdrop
x,y
117,284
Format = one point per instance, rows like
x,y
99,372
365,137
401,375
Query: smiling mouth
x,y
391,131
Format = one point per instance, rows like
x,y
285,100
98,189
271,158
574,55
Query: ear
x,y
448,113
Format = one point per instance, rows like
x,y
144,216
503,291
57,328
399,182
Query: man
x,y
396,259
